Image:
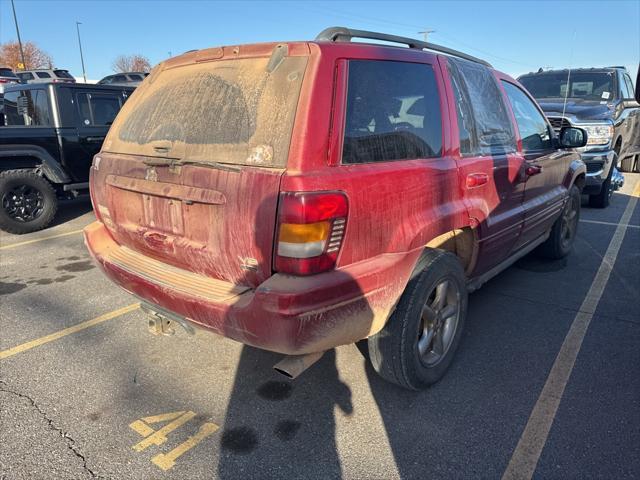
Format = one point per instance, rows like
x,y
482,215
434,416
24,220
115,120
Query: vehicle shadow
x,y
69,210
276,428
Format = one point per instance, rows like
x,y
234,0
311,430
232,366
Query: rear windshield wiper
x,y
172,162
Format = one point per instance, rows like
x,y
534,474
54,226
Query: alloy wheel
x,y
440,318
23,203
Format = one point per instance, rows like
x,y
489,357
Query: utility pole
x,y
15,19
84,74
426,34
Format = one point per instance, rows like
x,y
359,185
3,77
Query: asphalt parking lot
x,y
86,391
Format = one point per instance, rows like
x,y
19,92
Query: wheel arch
x,y
14,157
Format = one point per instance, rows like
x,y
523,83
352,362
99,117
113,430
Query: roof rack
x,y
343,34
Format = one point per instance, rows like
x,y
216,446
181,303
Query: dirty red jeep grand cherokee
x,y
299,196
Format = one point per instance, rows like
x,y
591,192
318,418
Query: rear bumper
x,y
286,314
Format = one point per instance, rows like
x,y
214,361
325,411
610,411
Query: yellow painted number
x,y
157,437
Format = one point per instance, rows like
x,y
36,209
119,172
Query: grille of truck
x,y
559,122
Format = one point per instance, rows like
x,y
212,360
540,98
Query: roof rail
x,y
343,34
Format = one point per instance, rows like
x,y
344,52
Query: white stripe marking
x,y
527,453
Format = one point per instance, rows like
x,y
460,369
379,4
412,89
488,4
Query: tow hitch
x,y
161,322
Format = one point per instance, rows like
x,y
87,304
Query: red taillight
x,y
311,228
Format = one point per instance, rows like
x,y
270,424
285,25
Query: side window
x,y
10,102
105,108
43,75
97,108
532,125
25,76
41,108
393,112
27,108
490,131
119,78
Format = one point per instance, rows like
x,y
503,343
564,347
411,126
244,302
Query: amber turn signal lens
x,y
304,232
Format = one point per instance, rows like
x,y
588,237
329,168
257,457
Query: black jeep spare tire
x,y
27,201
419,341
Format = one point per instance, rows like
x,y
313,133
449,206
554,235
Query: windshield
x,y
582,85
227,111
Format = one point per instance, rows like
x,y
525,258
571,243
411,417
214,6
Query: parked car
x,y
46,76
599,100
7,77
128,78
299,196
52,133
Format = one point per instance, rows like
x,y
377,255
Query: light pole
x,y
15,19
84,74
426,34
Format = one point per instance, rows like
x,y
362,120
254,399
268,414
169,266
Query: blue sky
x,y
516,37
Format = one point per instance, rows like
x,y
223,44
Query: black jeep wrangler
x,y
51,133
600,101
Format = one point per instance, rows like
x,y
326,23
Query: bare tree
x,y
34,57
131,63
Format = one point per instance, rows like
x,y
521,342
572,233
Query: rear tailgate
x,y
213,222
190,172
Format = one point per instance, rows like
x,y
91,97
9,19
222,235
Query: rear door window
x,y
393,112
98,108
486,126
532,125
25,76
43,75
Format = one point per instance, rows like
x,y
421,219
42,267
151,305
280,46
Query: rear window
x,y
7,72
227,111
63,74
393,112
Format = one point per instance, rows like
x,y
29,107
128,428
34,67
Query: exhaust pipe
x,y
292,366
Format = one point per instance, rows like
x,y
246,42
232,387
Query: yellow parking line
x,y
67,331
524,460
41,239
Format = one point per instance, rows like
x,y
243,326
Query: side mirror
x,y
572,137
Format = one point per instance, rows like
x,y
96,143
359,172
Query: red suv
x,y
299,196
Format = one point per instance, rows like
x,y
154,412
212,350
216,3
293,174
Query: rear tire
x,y
28,202
418,343
563,233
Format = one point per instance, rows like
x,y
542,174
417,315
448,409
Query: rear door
x,y
488,164
190,172
544,166
93,111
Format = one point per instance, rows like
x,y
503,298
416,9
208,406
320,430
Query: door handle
x,y
532,170
474,180
95,139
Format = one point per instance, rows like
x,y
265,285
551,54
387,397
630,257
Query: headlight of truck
x,y
598,134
